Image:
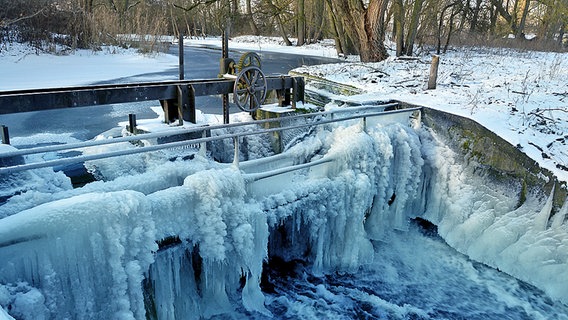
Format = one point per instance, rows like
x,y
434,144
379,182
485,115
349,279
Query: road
x,y
85,123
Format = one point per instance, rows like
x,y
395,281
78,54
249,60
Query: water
x,y
415,275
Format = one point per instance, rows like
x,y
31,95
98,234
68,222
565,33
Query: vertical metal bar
x,y
236,156
225,44
203,145
180,52
5,135
189,114
300,89
182,97
226,109
225,52
132,123
295,92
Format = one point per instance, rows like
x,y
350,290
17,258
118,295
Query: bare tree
x,y
413,27
365,23
250,18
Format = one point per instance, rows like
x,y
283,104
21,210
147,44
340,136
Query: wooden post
x,y
433,72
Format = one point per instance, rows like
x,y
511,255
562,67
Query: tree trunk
x,y
276,13
398,20
450,30
250,18
282,31
504,13
441,26
493,14
561,34
519,34
318,20
413,28
301,22
475,17
335,30
367,26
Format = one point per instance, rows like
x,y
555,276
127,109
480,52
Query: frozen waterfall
x,y
187,239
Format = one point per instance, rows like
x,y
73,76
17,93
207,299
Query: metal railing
x,y
327,117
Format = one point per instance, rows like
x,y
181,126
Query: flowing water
x,y
415,275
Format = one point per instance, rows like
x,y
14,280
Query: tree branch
x,y
5,23
194,5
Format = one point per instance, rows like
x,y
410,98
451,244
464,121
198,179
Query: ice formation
x,y
92,253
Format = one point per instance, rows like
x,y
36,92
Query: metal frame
x,y
181,92
360,113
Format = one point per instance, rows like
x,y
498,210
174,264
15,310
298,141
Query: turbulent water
x,y
413,276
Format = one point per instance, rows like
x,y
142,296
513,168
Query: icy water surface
x,y
414,276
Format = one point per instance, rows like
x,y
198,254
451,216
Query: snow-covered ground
x,y
520,95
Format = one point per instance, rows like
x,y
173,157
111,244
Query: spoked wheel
x,y
249,90
249,59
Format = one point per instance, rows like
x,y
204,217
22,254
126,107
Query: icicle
x,y
4,315
559,217
541,219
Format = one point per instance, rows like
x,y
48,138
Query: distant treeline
x,y
358,26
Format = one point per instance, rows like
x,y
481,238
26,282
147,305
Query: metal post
x,y
226,109
189,114
182,102
225,52
203,145
132,123
5,135
180,50
236,156
225,44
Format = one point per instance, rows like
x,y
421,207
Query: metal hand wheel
x,y
249,90
249,59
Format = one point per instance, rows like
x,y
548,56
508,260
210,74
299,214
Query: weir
x,y
169,203
169,233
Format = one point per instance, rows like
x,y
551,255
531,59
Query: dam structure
x,y
185,228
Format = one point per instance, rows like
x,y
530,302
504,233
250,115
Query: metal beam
x,y
72,97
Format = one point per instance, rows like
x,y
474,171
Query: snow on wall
x,y
483,220
93,254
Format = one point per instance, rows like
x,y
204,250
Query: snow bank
x,y
324,48
482,219
519,95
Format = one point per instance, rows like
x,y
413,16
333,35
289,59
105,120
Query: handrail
x,y
166,133
83,158
251,177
